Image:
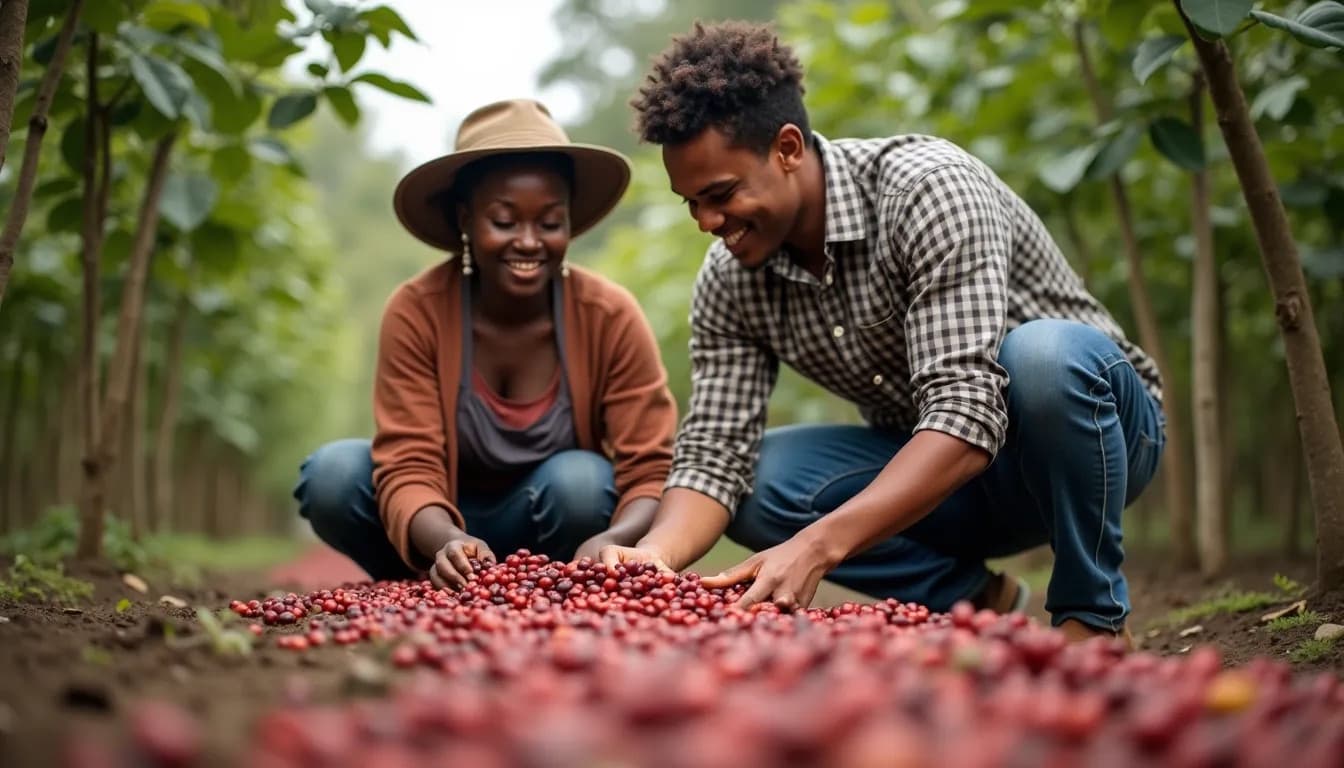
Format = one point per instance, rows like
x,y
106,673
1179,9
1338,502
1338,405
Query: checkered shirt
x,y
930,260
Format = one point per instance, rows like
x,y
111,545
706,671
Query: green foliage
x,y
1312,650
1321,25
1217,17
1304,619
1288,586
1229,602
223,639
29,580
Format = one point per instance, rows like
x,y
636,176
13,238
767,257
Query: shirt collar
x,y
846,213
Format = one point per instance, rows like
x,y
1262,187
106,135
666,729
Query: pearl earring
x,y
466,255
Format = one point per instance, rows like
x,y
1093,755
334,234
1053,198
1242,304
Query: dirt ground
x,y
66,671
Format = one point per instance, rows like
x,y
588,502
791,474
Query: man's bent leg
x,y
1084,438
335,494
806,471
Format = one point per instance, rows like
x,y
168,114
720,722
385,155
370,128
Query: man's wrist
x,y
828,546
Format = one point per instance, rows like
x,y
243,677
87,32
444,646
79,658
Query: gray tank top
x,y
492,456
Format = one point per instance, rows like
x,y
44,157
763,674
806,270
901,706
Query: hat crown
x,y
516,123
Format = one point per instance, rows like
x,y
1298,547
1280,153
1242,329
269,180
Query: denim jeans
x,y
564,501
1084,438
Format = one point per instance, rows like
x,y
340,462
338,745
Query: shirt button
x,y
877,380
838,331
830,278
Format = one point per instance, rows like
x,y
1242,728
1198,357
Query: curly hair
x,y
735,76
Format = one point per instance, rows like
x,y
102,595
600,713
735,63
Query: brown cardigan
x,y
622,406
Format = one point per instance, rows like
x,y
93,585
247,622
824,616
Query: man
x,y
1004,406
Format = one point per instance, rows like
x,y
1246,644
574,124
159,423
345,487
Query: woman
x,y
506,378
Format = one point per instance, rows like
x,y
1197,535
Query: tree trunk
x,y
119,376
9,460
37,128
95,213
166,429
13,16
135,447
1176,473
1322,447
1292,467
1211,507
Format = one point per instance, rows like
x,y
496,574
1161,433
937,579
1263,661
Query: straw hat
x,y
516,126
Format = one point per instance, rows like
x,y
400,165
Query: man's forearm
x,y
687,525
917,479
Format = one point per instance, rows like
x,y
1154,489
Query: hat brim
x,y
601,177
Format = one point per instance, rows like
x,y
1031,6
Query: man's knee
x,y
579,487
331,479
1052,364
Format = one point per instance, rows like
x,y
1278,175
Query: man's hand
x,y
613,555
451,564
787,574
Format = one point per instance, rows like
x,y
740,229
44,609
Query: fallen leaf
x,y
74,611
1195,630
135,582
1154,632
1186,649
175,602
1295,608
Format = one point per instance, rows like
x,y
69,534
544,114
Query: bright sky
x,y
469,54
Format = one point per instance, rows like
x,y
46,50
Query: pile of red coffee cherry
x,y
540,663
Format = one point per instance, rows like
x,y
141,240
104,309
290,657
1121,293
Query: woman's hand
x,y
452,564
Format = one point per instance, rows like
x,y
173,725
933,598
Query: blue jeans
x,y
569,498
1084,438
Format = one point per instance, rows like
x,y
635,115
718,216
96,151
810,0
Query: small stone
x,y
175,602
4,619
135,582
1329,631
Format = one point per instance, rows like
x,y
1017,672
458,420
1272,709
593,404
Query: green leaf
x,y
168,14
394,87
1063,173
232,112
1275,100
256,43
230,163
125,112
123,605
103,17
188,199
383,21
67,215
1320,26
163,82
348,47
1153,54
1218,17
1178,142
270,150
317,69
1115,152
343,103
290,109
216,247
72,146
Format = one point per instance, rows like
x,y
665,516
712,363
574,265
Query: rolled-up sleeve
x,y
732,377
955,237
